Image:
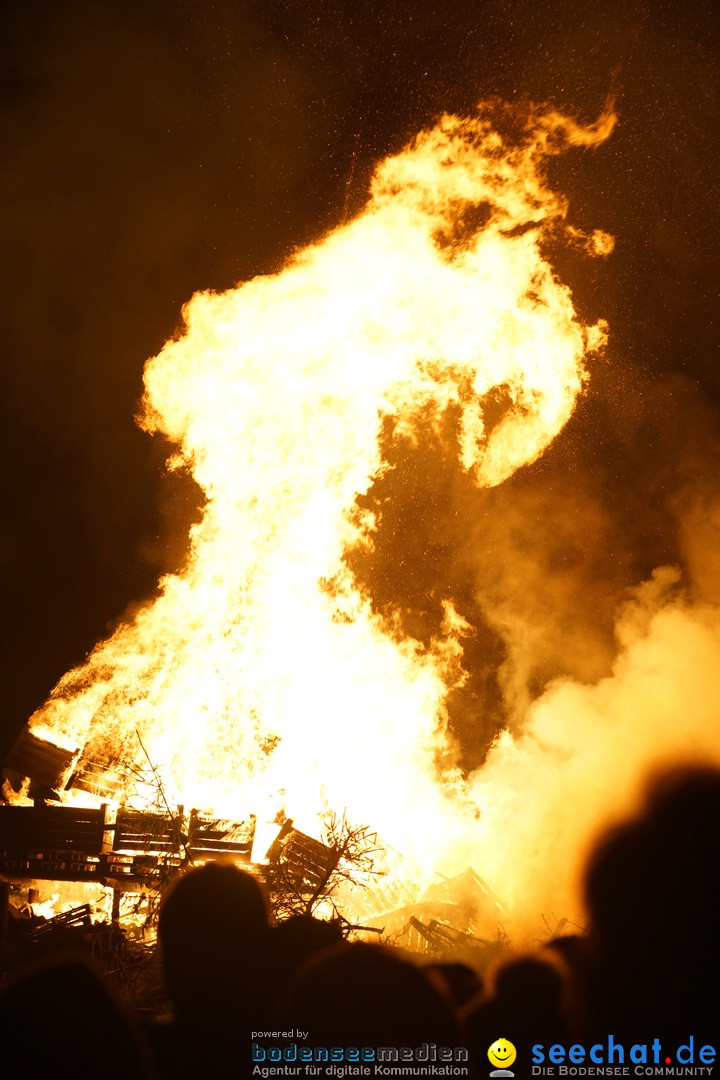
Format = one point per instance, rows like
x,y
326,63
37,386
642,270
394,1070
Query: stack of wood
x,y
69,843
52,843
459,916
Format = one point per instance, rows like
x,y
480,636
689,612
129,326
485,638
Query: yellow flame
x,y
260,676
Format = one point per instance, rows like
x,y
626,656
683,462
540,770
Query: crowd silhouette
x,y
645,968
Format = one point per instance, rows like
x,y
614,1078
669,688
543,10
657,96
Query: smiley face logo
x,y
502,1053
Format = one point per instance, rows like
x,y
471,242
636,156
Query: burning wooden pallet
x,y
145,846
79,916
211,838
68,843
52,843
106,779
39,760
304,862
438,937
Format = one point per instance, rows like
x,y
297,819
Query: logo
x,y
501,1054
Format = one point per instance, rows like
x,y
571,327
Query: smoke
x,y
586,748
612,665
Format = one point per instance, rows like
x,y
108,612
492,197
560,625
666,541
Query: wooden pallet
x,y
305,862
41,761
67,843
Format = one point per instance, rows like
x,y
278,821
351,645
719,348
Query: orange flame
x,y
260,676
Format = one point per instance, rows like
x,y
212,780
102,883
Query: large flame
x,y
261,676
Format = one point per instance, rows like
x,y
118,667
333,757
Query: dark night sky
x,y
155,147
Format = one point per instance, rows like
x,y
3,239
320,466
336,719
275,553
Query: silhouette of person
x,y
524,1002
652,890
214,940
62,1017
365,995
